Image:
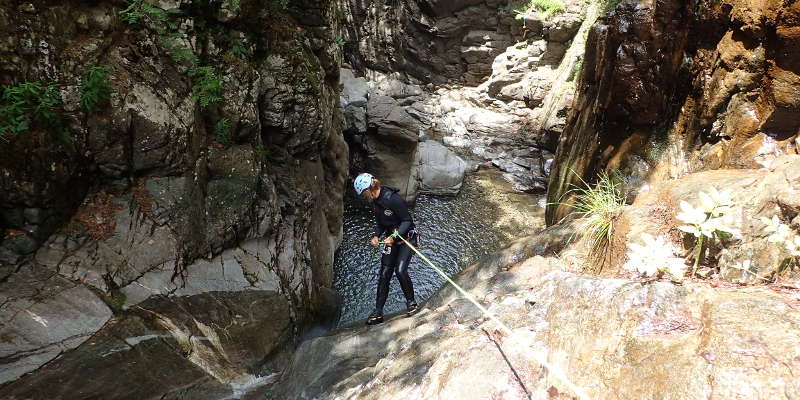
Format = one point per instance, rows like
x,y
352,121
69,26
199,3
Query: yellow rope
x,y
537,356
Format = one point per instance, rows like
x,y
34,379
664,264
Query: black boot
x,y
411,308
375,318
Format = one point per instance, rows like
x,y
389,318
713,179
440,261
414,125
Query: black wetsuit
x,y
391,215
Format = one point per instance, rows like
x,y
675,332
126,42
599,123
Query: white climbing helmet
x,y
362,182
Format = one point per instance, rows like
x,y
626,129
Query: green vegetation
x,y
177,52
115,300
25,104
567,87
142,12
237,47
339,41
307,66
599,206
223,132
234,5
575,74
94,88
547,8
338,13
207,86
262,153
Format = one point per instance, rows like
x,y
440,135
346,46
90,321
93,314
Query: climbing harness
x,y
536,355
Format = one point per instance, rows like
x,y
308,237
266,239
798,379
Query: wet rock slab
x,y
612,337
191,347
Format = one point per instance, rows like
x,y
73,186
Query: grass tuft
x,y
599,206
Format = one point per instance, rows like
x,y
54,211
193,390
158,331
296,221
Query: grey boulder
x,y
440,170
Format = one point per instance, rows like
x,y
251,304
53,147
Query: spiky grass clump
x,y
599,206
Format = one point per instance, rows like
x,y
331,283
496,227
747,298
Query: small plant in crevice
x,y
339,41
237,47
262,153
207,88
223,132
708,223
94,88
25,104
599,206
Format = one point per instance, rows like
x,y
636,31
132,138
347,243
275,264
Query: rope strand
x,y
537,356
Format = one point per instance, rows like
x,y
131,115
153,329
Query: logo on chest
x,y
388,213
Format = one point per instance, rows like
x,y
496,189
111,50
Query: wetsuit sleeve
x,y
398,205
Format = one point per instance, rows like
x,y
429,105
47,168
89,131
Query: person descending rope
x,y
392,217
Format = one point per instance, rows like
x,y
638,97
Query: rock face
x,y
158,229
611,337
682,87
384,120
432,41
519,68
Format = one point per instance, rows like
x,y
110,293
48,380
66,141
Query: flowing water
x,y
456,231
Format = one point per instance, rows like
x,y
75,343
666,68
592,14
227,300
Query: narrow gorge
x,y
617,181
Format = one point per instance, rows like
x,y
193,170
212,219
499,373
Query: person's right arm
x,y
376,235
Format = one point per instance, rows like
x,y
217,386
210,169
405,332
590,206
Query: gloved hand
x,y
374,241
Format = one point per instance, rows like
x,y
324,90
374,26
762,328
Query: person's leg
x,y
387,268
401,269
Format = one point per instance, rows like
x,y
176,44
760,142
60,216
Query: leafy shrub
x,y
26,103
207,87
94,88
